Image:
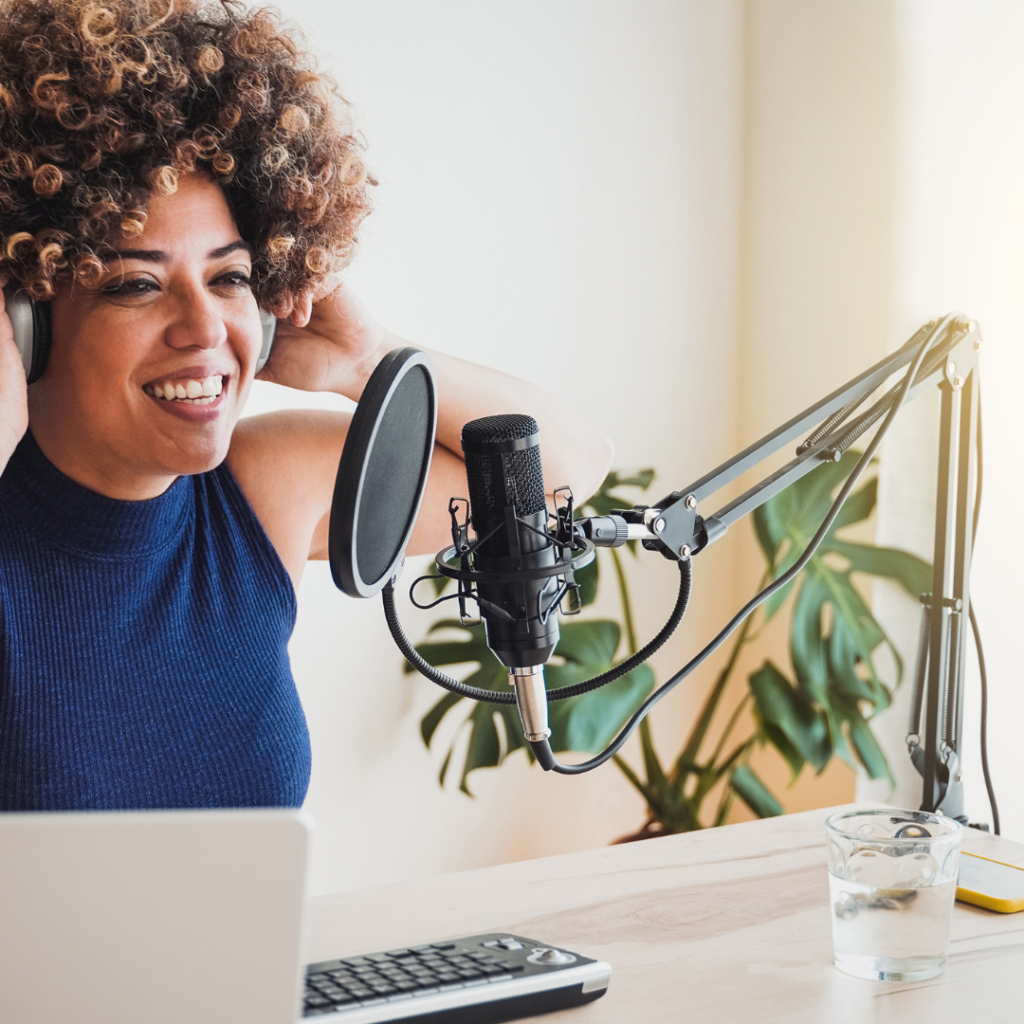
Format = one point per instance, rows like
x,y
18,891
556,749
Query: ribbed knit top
x,y
143,648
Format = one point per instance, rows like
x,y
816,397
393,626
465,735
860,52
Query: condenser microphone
x,y
509,516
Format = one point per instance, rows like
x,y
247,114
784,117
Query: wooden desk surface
x,y
727,925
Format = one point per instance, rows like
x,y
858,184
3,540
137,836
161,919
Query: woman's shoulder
x,y
285,463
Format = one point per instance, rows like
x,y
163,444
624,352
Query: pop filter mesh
x,y
524,477
391,481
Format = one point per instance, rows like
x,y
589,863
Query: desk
x,y
728,925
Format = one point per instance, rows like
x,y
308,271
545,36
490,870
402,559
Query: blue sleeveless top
x,y
143,648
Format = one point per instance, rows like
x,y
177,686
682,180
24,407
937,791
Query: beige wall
x,y
690,220
558,198
957,245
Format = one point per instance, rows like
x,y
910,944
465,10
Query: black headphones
x,y
31,323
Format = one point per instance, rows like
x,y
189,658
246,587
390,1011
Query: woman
x,y
166,168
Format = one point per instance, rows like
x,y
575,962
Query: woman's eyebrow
x,y
159,256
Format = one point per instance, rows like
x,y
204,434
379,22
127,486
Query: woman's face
x,y
174,316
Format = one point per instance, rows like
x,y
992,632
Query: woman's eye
x,y
127,289
235,279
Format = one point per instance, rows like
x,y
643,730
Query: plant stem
x,y
701,726
707,712
733,719
627,604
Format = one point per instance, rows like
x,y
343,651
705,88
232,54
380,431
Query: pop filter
x,y
383,472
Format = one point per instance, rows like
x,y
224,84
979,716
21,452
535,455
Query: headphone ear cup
x,y
269,322
31,323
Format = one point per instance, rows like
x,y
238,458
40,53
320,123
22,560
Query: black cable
x,y
542,749
425,668
982,672
562,692
984,722
634,660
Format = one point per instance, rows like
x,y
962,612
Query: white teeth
x,y
199,392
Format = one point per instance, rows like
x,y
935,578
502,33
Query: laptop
x,y
152,917
195,917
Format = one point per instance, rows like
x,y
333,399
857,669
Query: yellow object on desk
x,y
990,883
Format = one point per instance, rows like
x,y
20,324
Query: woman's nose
x,y
196,323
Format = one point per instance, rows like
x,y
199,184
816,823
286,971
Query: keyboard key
x,y
469,972
383,990
419,949
398,952
407,986
377,958
357,961
317,1001
341,998
442,945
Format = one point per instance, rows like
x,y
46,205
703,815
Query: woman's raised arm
x,y
336,349
13,389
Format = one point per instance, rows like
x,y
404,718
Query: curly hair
x,y
104,105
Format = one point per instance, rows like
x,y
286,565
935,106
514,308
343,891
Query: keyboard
x,y
481,979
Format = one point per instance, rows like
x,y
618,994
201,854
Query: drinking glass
x,y
892,880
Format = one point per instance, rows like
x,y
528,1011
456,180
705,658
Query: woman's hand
x,y
13,389
329,342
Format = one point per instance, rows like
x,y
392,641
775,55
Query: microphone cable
x,y
982,671
542,748
453,685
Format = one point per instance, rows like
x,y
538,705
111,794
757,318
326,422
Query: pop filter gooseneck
x,y
383,472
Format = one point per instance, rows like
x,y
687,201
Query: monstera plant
x,y
816,708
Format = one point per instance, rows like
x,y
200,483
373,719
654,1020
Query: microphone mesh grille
x,y
506,427
524,476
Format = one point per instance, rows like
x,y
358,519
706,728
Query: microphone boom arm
x,y
674,526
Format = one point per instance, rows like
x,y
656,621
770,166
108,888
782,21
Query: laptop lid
x,y
153,917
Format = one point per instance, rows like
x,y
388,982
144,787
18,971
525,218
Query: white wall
x,y
559,198
957,244
689,219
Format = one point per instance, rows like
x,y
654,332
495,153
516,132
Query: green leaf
x,y
484,749
858,506
807,649
789,712
864,743
754,793
585,723
432,719
912,573
588,723
586,644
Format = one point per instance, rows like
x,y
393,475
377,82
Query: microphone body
x,y
509,516
509,513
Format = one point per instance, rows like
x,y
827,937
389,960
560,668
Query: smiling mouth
x,y
204,391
